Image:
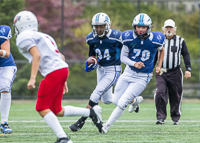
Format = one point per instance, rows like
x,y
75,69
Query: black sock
x,y
83,119
92,104
92,113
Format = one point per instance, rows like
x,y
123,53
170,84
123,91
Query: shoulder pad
x,y
5,32
27,34
90,36
158,37
115,34
127,35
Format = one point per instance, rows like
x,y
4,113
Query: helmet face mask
x,y
141,31
25,20
144,20
99,21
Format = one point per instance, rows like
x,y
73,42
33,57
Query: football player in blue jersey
x,y
139,48
105,44
8,71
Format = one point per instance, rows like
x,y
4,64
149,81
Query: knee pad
x,y
122,104
5,85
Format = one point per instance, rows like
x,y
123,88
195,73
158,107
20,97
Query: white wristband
x,y
4,53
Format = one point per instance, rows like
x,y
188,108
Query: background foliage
x,y
77,23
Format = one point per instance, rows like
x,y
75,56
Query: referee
x,y
169,84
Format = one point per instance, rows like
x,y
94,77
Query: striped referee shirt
x,y
175,48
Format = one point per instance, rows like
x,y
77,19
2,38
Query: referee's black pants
x,y
169,85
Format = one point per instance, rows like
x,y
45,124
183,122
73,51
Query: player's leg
x,y
107,97
134,106
80,123
120,88
7,75
54,81
94,113
175,94
106,78
109,78
161,98
133,90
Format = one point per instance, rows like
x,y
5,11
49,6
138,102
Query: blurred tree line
x,y
77,24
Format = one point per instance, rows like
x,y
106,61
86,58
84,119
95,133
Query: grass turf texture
x,y
29,127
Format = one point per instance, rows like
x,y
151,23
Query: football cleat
x,y
135,106
160,122
176,123
96,117
64,140
104,128
5,128
76,126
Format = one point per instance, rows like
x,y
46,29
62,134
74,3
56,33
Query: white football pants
x,y
106,78
130,85
7,75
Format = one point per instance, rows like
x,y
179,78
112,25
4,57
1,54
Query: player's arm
x,y
5,49
160,60
186,57
35,66
91,53
63,57
126,60
65,86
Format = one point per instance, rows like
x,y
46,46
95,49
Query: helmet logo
x,y
106,19
17,19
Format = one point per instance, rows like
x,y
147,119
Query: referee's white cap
x,y
169,22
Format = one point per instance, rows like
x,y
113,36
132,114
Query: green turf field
x,y
29,127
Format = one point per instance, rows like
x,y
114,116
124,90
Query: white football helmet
x,y
101,19
142,19
25,20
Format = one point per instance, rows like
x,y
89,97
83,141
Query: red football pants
x,y
50,92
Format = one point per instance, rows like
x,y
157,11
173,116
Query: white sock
x,y
116,114
76,111
5,106
51,119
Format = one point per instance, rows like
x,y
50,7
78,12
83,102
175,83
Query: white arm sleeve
x,y
124,56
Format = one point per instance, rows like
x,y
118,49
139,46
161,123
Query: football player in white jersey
x,y
105,44
41,50
139,48
8,71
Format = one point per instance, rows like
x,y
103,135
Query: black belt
x,y
170,70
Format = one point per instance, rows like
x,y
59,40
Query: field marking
x,y
120,121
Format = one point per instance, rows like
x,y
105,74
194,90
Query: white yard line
x,y
121,121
